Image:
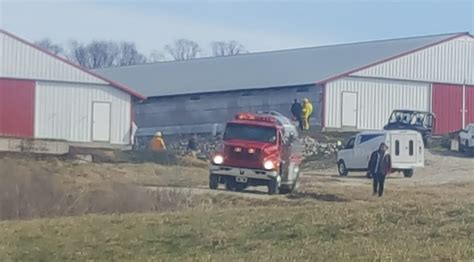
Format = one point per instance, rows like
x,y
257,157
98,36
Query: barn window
x,y
195,97
302,89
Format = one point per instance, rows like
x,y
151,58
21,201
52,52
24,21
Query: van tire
x,y
342,169
213,181
428,142
273,188
408,173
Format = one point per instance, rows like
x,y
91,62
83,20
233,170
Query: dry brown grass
x,y
51,188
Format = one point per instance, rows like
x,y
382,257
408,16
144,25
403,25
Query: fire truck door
x,y
285,147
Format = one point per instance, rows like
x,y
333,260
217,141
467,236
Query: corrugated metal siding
x,y
21,61
449,62
470,104
376,100
177,114
64,111
447,105
17,100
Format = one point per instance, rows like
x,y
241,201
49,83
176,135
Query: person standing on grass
x,y
193,146
380,165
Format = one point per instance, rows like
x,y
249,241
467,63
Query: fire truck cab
x,y
257,149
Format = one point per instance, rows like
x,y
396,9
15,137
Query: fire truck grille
x,y
243,154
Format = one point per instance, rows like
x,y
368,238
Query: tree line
x,y
101,54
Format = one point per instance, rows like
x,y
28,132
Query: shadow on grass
x,y
317,196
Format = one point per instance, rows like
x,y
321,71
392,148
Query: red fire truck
x,y
258,149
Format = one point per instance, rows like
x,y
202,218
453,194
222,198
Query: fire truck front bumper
x,y
244,172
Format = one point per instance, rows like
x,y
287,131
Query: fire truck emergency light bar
x,y
253,117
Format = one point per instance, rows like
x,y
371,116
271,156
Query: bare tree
x,y
99,54
79,54
156,56
128,55
50,46
229,48
183,49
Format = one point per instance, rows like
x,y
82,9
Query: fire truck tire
x,y
273,188
213,181
287,189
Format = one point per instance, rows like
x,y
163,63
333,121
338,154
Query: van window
x,y
411,148
350,143
366,138
397,147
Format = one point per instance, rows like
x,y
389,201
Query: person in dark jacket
x,y
380,165
297,112
193,146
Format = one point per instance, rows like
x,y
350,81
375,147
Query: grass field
x,y
51,213
399,228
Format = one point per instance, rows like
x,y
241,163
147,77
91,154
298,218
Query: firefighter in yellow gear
x,y
157,143
307,112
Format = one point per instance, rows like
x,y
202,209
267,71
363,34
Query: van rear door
x,y
404,147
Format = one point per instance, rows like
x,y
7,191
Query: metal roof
x,y
265,70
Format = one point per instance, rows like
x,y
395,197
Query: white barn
x,y
43,96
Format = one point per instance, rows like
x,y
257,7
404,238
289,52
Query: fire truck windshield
x,y
251,133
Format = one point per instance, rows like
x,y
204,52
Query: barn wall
x,y
17,100
64,111
376,99
449,62
183,114
21,61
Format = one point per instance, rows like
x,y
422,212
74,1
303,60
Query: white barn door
x,y
349,109
101,121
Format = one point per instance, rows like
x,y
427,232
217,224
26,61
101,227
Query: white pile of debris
x,y
312,147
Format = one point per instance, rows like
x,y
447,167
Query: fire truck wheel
x,y
273,187
213,181
287,189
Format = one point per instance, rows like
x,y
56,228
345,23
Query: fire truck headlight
x,y
268,165
218,159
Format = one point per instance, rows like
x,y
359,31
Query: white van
x,y
405,147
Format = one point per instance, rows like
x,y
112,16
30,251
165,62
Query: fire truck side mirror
x,y
291,138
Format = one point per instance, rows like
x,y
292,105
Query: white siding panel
x,y
19,60
64,111
449,62
376,100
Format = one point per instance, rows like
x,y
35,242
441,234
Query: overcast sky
x,y
259,25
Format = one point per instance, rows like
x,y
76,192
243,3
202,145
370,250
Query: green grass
x,y
381,230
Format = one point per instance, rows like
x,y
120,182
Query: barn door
x,y
349,109
101,122
448,108
469,105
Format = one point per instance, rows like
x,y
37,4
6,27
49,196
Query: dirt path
x,y
440,170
